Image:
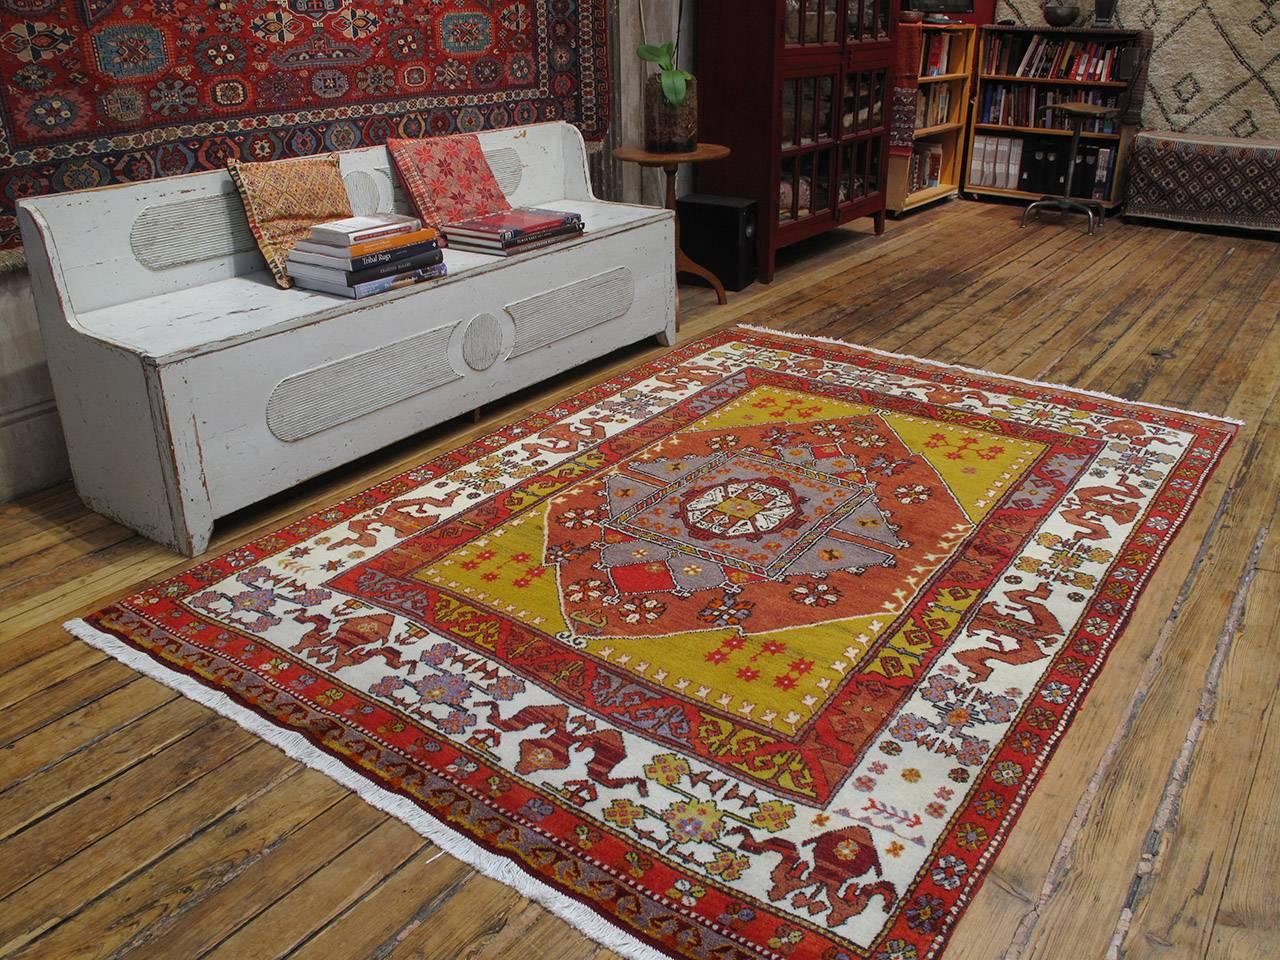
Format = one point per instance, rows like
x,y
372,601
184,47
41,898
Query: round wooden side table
x,y
670,164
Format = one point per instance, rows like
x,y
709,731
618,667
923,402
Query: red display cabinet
x,y
799,89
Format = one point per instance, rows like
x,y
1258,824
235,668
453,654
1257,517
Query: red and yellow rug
x,y
755,651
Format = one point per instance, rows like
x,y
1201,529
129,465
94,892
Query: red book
x,y
509,225
534,241
935,55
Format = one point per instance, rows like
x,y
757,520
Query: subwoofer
x,y
720,234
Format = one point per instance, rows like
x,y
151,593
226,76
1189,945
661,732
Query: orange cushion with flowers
x,y
284,199
447,178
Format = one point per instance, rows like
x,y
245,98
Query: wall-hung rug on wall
x,y
755,651
99,92
1214,68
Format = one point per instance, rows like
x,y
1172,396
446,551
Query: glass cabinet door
x,y
808,139
811,22
806,23
808,105
867,20
863,129
805,186
863,102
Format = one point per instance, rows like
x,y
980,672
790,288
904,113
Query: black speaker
x,y
720,234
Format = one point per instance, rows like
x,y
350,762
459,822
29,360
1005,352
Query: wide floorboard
x,y
134,823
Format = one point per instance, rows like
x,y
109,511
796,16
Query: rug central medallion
x,y
747,511
756,578
754,652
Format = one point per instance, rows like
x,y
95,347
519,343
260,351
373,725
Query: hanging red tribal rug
x,y
98,91
753,652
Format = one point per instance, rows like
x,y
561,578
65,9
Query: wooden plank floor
x,y
134,823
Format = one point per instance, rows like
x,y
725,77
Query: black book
x,y
1125,64
1035,159
1026,169
1086,171
1055,170
353,278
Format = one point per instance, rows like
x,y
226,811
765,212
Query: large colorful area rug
x,y
755,651
99,91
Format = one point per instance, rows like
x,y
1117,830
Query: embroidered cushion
x,y
447,178
284,199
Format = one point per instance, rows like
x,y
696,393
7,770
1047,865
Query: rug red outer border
x,y
921,927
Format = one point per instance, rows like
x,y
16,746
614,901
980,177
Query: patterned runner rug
x,y
754,651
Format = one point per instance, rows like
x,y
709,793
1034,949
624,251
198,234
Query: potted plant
x,y
670,97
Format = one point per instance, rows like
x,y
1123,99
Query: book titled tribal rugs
x,y
99,92
755,651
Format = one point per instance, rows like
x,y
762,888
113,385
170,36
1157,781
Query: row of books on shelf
x,y
925,169
933,105
941,52
1056,57
361,256
1011,105
1039,165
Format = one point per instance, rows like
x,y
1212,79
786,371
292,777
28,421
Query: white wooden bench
x,y
190,386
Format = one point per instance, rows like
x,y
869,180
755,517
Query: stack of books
x,y
925,169
360,256
513,231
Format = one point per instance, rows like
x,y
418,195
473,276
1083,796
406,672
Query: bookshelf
x,y
1018,148
946,68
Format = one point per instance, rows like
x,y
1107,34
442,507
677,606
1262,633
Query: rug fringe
x,y
1097,395
12,261
446,838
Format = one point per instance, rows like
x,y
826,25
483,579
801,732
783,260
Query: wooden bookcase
x,y
950,133
1125,85
799,90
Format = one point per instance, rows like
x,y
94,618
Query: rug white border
x,y
445,837
990,374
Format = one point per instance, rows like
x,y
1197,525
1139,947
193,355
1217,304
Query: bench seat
x,y
182,323
1202,180
190,386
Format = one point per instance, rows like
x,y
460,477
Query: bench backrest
x,y
122,243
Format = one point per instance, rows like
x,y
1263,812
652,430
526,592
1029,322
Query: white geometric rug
x,y
1215,64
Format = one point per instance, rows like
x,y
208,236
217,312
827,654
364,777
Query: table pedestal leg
x,y
683,263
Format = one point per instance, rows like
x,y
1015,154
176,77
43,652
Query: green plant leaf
x,y
674,86
649,52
